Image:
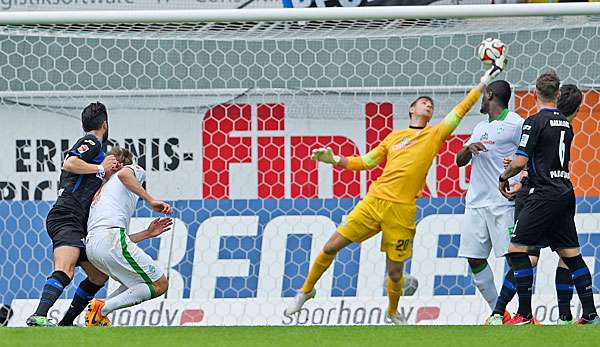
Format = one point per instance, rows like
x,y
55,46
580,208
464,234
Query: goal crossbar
x,y
300,14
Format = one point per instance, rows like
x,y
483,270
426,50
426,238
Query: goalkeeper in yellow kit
x,y
390,205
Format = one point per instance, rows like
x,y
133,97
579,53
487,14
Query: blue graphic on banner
x,y
25,247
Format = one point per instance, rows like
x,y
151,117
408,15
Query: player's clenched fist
x,y
110,163
325,155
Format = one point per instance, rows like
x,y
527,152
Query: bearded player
x,y
390,205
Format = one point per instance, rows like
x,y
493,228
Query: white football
x,y
490,49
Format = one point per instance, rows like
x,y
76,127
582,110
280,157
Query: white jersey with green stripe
x,y
501,139
114,204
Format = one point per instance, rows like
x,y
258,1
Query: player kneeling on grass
x,y
113,251
390,206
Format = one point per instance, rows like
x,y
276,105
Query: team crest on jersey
x,y
83,148
500,129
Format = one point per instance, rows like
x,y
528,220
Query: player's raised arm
x,y
128,178
364,162
80,160
452,119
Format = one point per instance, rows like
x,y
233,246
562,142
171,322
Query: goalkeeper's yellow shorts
x,y
396,221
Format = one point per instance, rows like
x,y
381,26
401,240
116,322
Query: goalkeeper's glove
x,y
325,155
498,66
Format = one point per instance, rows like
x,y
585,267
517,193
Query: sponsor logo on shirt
x,y
485,139
83,148
405,142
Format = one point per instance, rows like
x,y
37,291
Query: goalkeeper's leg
x,y
361,224
394,290
321,264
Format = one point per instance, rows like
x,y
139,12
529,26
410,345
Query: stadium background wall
x,y
224,125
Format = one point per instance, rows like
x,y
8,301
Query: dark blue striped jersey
x,y
75,192
546,140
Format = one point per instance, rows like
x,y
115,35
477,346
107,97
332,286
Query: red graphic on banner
x,y
228,137
380,122
191,316
427,313
220,149
346,183
271,152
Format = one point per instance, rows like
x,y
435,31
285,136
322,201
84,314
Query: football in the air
x,y
490,49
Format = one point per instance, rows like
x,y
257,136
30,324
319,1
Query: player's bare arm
x,y
127,177
514,168
467,152
78,166
156,228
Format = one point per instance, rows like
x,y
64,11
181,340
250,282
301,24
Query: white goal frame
x,y
300,14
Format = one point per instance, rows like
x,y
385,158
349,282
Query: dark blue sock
x,y
507,293
564,292
55,284
523,271
85,292
582,279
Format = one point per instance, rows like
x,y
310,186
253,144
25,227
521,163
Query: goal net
x,y
223,116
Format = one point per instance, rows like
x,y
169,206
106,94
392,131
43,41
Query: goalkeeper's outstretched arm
x,y
452,119
364,162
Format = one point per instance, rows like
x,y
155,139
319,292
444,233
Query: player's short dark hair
x,y
570,99
123,155
501,89
93,116
412,104
547,85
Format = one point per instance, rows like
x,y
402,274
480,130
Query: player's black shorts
x,y
543,223
519,205
65,228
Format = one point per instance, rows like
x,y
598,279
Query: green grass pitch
x,y
364,336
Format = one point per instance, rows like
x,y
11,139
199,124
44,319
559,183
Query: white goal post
x,y
222,107
302,14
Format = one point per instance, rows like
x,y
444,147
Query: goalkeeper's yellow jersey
x,y
409,154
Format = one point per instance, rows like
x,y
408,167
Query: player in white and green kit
x,y
113,250
489,217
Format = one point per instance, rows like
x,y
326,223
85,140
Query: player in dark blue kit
x,y
569,104
82,174
548,215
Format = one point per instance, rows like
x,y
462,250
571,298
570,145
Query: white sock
x,y
117,291
484,281
132,296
